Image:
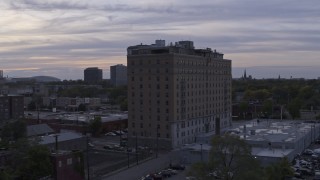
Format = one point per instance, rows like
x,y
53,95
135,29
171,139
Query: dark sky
x,y
62,37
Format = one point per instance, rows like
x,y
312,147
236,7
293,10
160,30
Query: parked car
x,y
118,133
90,145
178,167
110,134
172,171
147,177
190,178
165,173
308,152
156,176
305,171
108,147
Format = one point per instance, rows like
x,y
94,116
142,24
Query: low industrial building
x,y
270,140
39,130
64,141
68,165
77,122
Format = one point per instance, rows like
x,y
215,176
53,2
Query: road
x,y
102,162
150,166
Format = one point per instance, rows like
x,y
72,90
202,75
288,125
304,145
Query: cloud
x,y
55,33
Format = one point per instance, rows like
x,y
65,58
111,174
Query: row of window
x,y
184,71
184,62
133,125
145,134
141,117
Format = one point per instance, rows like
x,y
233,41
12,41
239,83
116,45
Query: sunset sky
x,y
62,37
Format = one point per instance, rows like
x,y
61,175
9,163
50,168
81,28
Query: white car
x,y
110,134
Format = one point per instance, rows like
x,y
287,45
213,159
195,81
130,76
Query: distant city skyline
x,y
61,38
257,72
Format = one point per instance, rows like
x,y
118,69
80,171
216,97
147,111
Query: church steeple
x,y
245,74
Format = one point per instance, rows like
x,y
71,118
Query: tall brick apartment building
x,y
11,107
176,93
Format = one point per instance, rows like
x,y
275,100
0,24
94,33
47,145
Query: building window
x,y
60,164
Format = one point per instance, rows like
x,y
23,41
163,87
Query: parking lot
x,y
307,164
106,156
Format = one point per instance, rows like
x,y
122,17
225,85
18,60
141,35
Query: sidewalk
x,y
137,171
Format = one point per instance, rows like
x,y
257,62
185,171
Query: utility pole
x,y
137,149
128,150
201,153
88,171
157,142
38,113
56,139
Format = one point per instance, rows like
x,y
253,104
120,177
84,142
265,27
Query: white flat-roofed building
x,y
274,139
270,140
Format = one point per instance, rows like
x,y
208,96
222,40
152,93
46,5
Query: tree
x,y
13,131
36,164
294,108
243,109
230,158
267,107
27,161
279,171
96,126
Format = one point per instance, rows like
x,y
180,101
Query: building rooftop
x,y
114,117
272,131
84,117
38,129
181,47
49,139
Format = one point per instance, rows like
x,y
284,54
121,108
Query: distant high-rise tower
x,y
92,75
176,94
1,74
118,75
